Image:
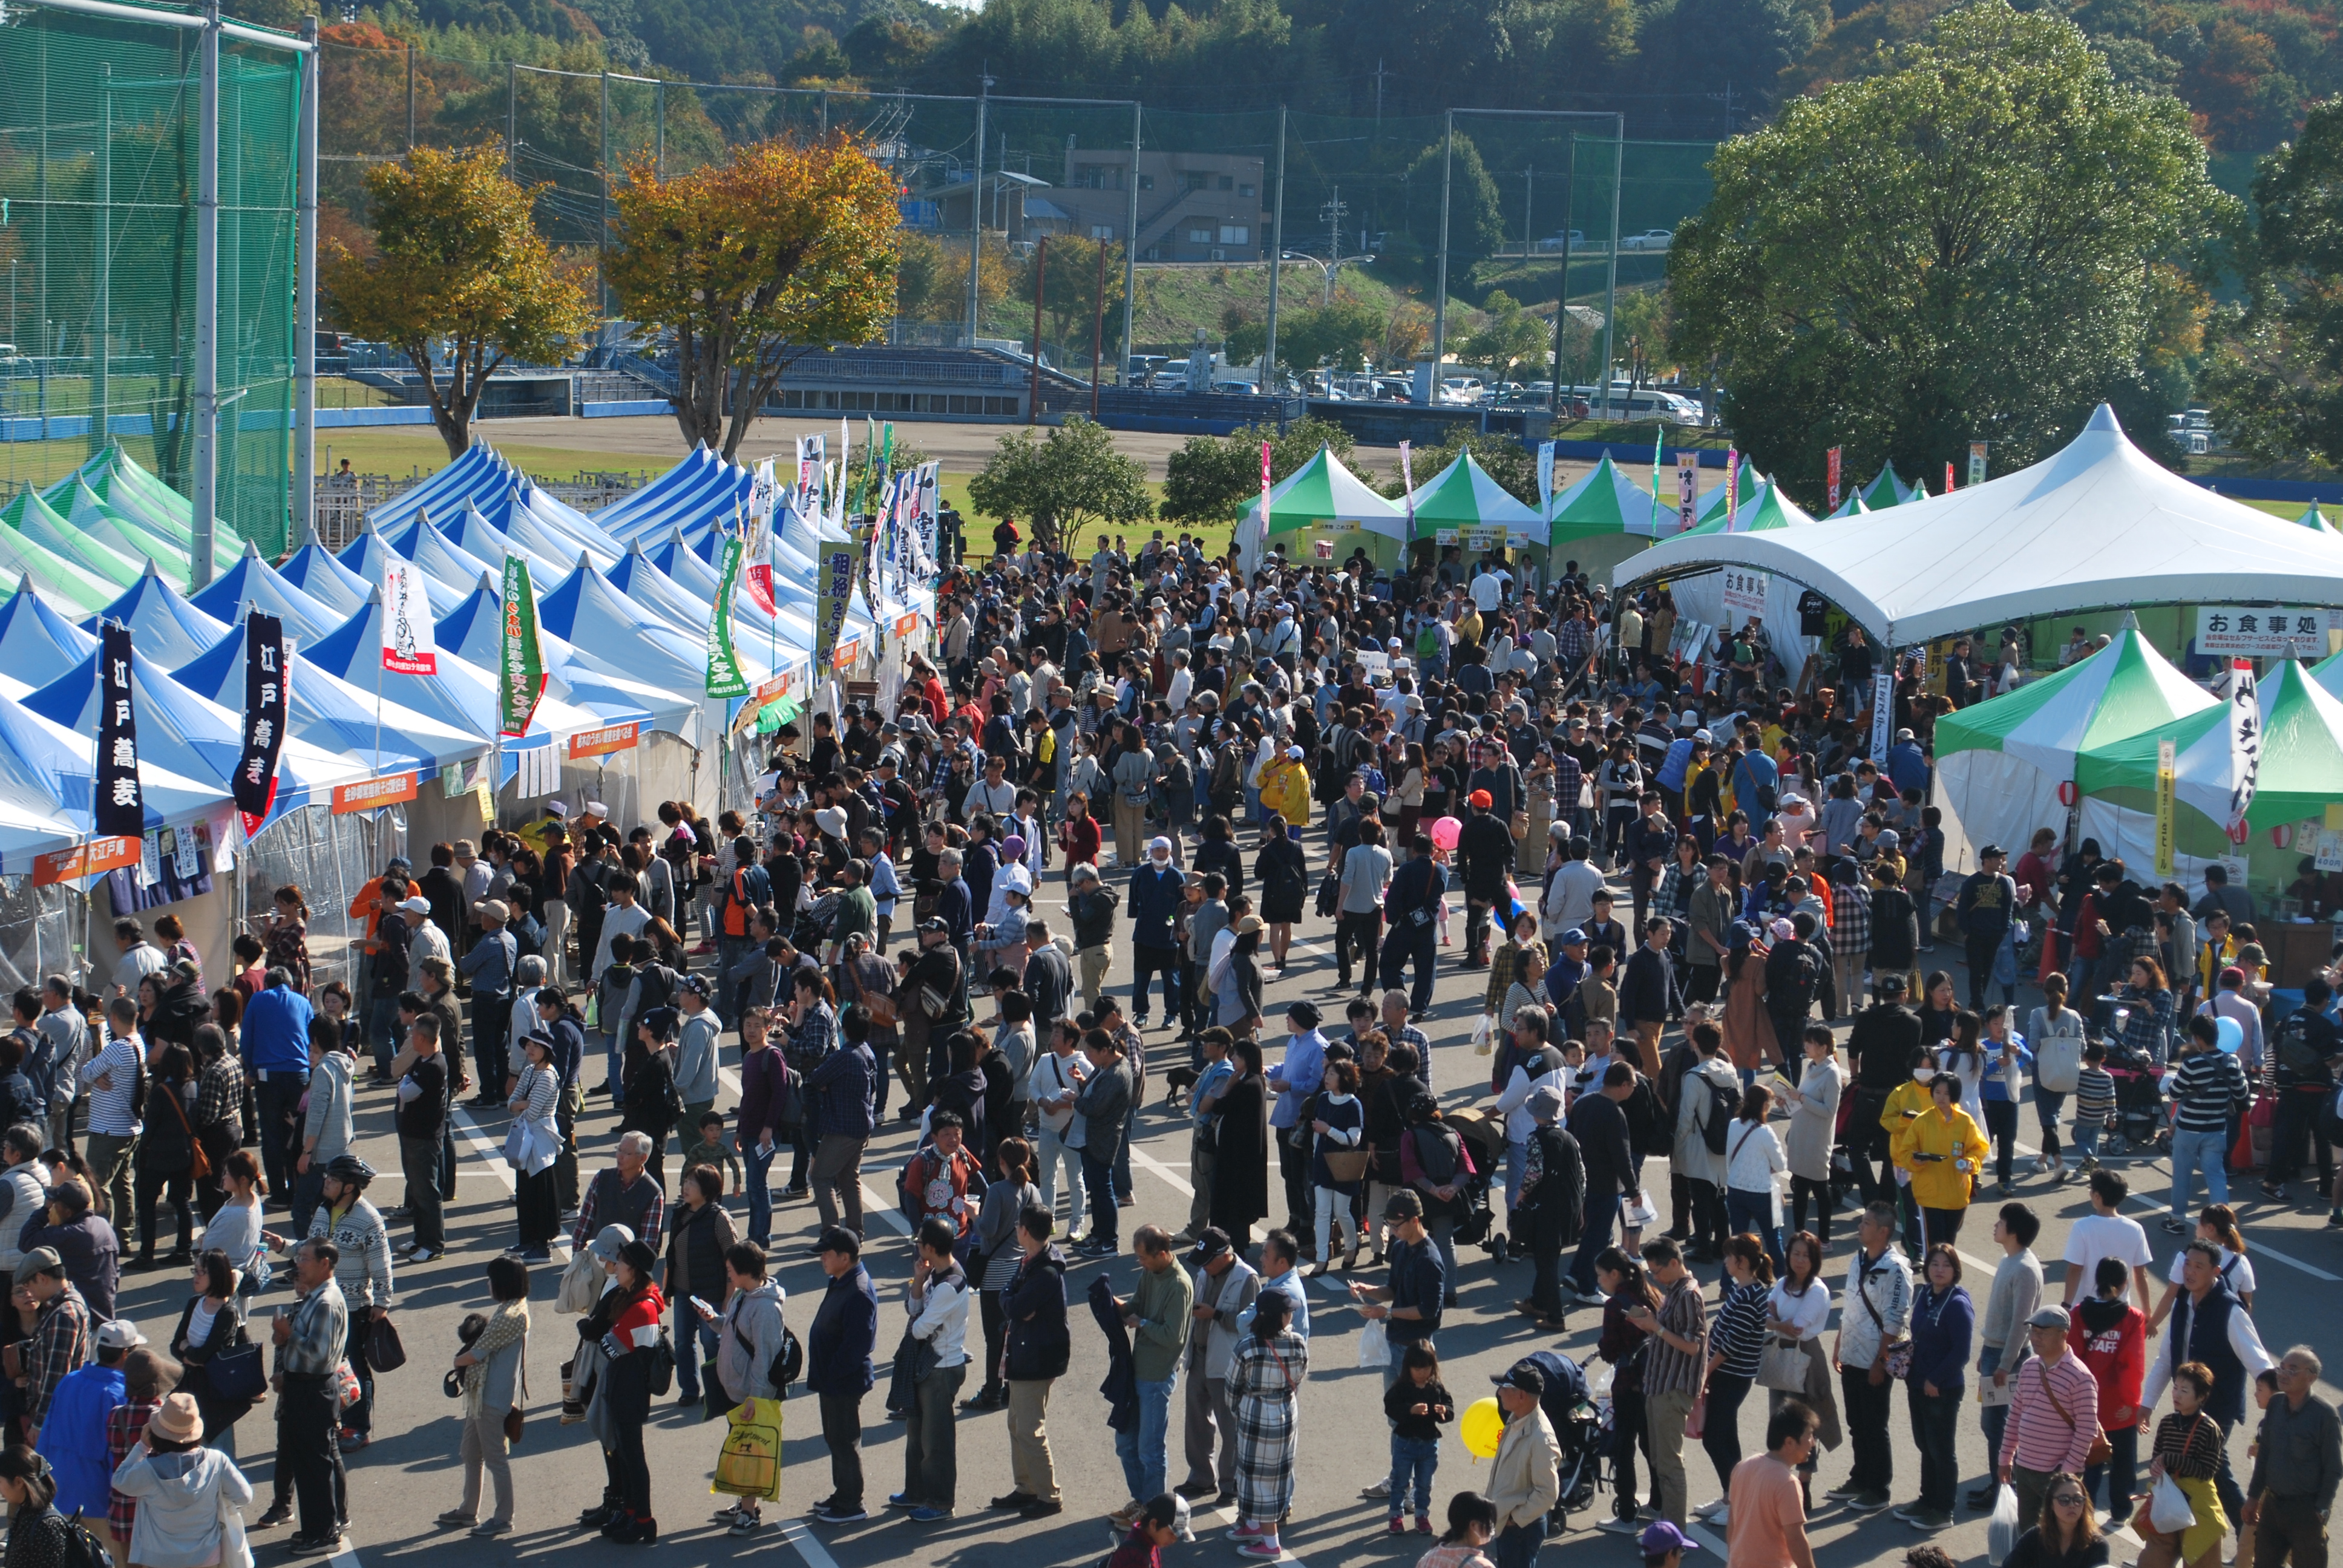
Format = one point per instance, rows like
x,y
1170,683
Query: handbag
x,y
2101,1451
384,1350
1783,1366
1896,1357
240,1374
199,1164
1696,1424
1348,1164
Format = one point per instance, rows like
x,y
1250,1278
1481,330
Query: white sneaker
x,y
420,1255
1722,1517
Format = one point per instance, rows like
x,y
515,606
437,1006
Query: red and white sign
x,y
94,859
602,742
408,644
369,794
843,657
1833,472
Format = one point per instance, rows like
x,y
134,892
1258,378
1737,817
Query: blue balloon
x,y
2232,1035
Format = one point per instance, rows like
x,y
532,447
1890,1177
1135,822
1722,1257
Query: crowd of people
x,y
1452,770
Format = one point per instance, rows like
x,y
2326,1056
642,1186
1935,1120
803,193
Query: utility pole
x,y
206,495
659,131
1529,232
512,114
1332,214
602,237
1098,330
1276,261
305,299
1611,276
410,96
1131,248
103,257
1379,92
1562,288
976,210
1440,303
1040,271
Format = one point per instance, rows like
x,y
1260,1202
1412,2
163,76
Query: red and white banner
x,y
602,742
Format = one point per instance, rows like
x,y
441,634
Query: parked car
x,y
1650,239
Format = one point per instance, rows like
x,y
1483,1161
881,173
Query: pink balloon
x,y
1445,832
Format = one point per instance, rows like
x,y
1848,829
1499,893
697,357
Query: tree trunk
x,y
700,392
451,415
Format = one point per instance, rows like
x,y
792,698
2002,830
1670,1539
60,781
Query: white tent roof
x,y
2099,524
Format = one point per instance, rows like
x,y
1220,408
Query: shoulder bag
x,y
1783,1366
1896,1359
2100,1449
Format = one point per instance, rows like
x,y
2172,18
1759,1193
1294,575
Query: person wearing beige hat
x,y
190,1498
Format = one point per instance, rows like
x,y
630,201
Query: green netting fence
x,y
99,163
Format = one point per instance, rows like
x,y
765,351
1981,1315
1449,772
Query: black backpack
x,y
787,1364
1723,1105
82,1549
659,1373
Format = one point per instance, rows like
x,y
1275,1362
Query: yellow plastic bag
x,y
750,1462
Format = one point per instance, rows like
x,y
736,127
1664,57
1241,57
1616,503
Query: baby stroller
x,y
1483,1137
1577,1429
2139,1122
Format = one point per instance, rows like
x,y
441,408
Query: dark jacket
x,y
1647,986
91,1253
1600,1129
1484,849
764,1090
1049,980
1093,916
1220,854
227,1332
838,1094
1155,899
1121,1386
1894,928
1880,1047
845,1331
1553,1207
1035,1306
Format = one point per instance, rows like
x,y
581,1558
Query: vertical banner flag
x,y
1977,463
809,449
1261,539
1406,483
408,646
1657,430
931,511
1545,480
118,809
2244,721
265,703
1948,479
724,677
1832,466
837,587
1883,712
521,680
1687,489
1732,485
764,498
2166,775
845,471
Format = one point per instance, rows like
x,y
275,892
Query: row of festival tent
x,y
643,614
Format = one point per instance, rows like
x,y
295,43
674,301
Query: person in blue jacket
x,y
73,1437
2001,1088
839,1371
1157,889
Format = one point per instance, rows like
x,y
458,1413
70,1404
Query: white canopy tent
x,y
2097,526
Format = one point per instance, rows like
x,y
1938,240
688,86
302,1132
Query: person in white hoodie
x,y
190,1498
326,1131
22,1195
1537,1065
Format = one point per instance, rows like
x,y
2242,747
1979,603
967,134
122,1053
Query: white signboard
x,y
1745,593
2271,633
2330,851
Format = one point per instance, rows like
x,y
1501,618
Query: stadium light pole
x,y
305,296
207,368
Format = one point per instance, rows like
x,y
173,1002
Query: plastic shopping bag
x,y
1484,1035
750,1462
1641,1211
2169,1508
1374,1346
581,1283
2001,1529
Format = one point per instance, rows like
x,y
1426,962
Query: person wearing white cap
x,y
73,1434
424,938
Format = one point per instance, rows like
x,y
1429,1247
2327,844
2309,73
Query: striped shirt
x,y
2037,1436
1667,1370
1740,1336
110,1114
2095,1095
2208,1084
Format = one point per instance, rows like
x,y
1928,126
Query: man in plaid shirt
x,y
61,1336
143,1395
623,1195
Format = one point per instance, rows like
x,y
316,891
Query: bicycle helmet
x,y
348,1168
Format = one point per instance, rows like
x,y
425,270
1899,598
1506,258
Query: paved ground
x,y
411,1472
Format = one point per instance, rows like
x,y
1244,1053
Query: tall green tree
x,y
1071,478
2276,380
1979,243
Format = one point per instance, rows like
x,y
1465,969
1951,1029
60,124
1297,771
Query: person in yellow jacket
x,y
1285,788
1941,1150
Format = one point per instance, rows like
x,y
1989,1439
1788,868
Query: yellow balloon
x,y
1480,1426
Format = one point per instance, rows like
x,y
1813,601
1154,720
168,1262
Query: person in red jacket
x,y
2110,1335
635,1309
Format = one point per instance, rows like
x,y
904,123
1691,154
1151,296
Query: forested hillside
x,y
1679,69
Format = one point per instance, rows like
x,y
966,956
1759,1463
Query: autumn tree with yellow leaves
x,y
787,248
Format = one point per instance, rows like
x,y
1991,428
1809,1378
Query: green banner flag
x,y
524,661
724,677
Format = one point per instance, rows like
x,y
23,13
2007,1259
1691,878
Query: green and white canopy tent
x,y
2301,762
1853,507
1887,489
2000,764
1605,502
1766,509
1321,498
2314,520
1462,497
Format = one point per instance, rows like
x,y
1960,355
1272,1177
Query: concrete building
x,y
1192,206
